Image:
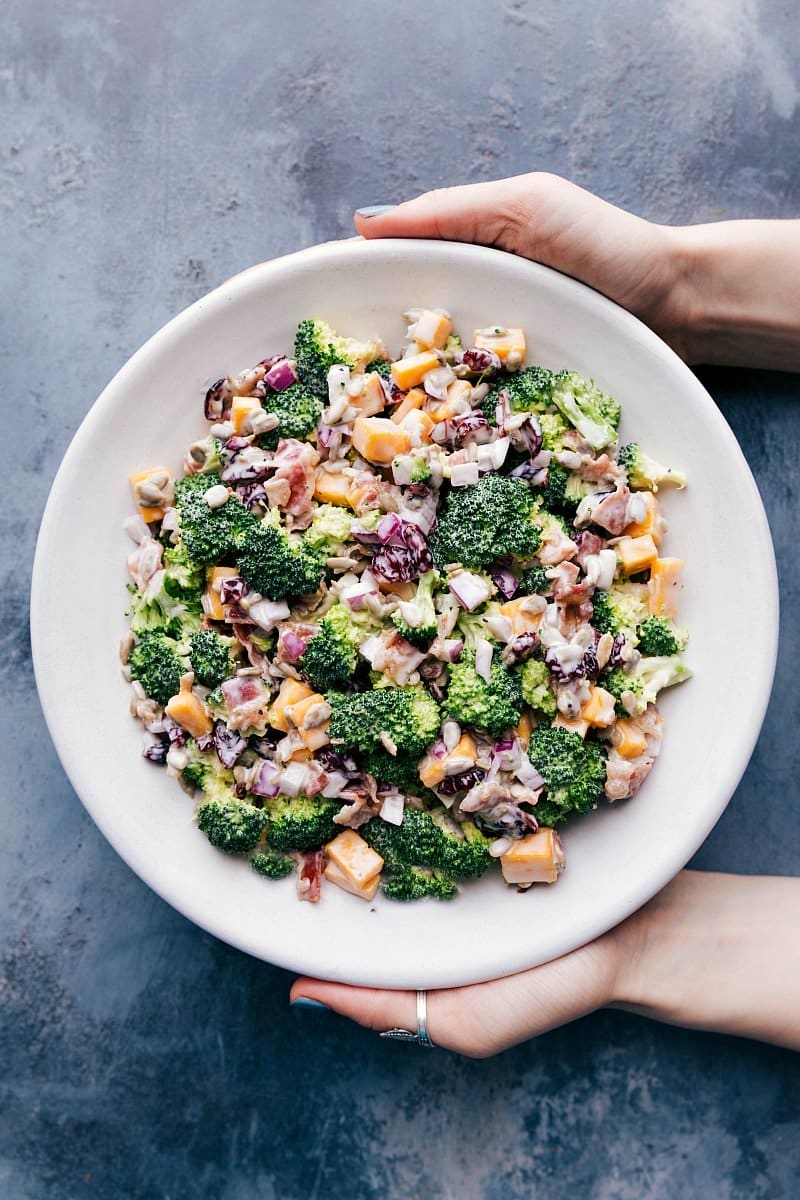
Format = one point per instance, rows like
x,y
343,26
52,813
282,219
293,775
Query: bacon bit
x,y
295,462
309,876
566,588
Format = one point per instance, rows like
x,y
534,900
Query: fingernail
x,y
305,1002
375,210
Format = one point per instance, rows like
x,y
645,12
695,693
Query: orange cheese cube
x,y
403,590
314,739
578,725
460,390
212,604
412,400
418,426
242,409
188,710
410,371
354,857
332,487
296,711
379,440
653,522
537,858
465,748
431,770
372,398
365,890
636,554
511,342
628,739
432,329
291,692
663,587
598,710
301,754
521,621
524,728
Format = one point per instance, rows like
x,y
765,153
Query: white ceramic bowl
x,y
617,857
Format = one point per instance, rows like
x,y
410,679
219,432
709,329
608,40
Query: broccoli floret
x,y
184,580
329,529
529,390
208,533
417,883
472,626
493,518
593,413
409,715
231,825
574,772
172,601
432,840
554,430
317,348
379,366
156,663
298,410
210,656
301,822
331,656
271,864
553,494
620,610
272,565
470,700
644,472
416,619
536,691
399,770
617,682
420,469
659,637
553,524
535,581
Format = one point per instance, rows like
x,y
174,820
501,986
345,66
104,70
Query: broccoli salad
x,y
400,619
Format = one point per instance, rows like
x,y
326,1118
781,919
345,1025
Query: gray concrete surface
x,y
147,152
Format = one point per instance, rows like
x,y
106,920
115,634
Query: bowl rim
x,y
253,279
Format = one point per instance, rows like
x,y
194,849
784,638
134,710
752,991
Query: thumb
x,y
368,1006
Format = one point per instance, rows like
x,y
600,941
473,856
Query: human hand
x,y
710,951
538,216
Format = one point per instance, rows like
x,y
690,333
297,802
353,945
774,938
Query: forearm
x,y
716,952
738,293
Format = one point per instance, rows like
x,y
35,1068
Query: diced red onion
x,y
335,783
294,646
267,613
532,432
483,658
280,376
464,474
503,746
369,648
453,648
392,808
505,579
527,774
469,590
500,626
292,779
390,528
438,750
325,435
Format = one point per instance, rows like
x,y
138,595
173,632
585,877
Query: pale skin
x,y
711,951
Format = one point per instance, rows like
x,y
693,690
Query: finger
x,y
372,1007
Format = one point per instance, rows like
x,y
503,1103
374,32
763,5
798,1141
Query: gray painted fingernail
x,y
375,210
305,1002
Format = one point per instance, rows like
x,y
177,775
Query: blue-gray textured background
x,y
147,152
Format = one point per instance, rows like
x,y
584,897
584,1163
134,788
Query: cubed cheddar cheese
x,y
537,858
366,890
521,621
354,857
313,738
636,554
211,601
412,400
402,589
372,398
524,728
316,738
332,487
149,512
379,440
408,372
432,329
663,587
459,390
301,754
509,342
188,710
628,739
431,770
598,711
242,409
418,426
296,710
291,693
653,522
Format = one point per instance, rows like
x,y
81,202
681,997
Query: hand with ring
x,y
711,951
